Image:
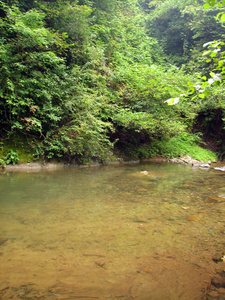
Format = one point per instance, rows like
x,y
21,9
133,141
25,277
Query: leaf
x,y
206,5
191,90
220,63
204,85
176,100
202,96
213,54
172,101
207,44
206,52
207,92
218,15
222,19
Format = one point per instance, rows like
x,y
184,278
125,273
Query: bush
x,y
11,158
183,145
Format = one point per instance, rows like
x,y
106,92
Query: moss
x,y
22,148
186,144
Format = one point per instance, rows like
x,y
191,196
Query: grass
x,y
184,144
16,150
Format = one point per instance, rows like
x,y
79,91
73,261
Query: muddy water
x,y
145,231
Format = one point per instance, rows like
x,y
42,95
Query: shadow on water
x,y
146,231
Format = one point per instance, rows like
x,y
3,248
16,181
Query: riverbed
x,y
138,231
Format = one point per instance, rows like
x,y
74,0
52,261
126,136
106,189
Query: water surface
x,y
145,231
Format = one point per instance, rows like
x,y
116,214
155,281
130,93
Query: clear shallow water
x,y
112,232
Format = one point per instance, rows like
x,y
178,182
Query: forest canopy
x,y
87,80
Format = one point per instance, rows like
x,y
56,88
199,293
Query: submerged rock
x,y
220,168
218,280
192,162
219,198
205,166
144,172
216,289
194,217
3,240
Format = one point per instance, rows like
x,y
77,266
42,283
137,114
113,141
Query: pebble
x,y
194,218
218,281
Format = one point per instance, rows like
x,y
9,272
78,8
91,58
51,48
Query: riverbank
x,y
53,165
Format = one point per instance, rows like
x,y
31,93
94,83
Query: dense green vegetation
x,y
86,80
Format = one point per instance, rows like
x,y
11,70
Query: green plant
x,y
32,75
11,157
185,145
2,163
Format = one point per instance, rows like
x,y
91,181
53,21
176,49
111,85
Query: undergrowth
x,y
16,150
184,144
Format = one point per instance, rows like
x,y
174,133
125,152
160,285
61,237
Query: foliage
x,y
182,27
220,4
11,157
83,138
217,56
141,96
2,164
185,145
167,25
32,76
215,77
72,21
37,98
123,38
81,78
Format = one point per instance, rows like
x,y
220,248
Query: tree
x,y
181,28
32,75
40,96
215,77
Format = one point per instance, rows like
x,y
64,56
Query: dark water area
x,y
146,231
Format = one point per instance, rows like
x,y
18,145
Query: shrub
x,y
11,158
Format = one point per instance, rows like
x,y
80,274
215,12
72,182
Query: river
x,y
138,231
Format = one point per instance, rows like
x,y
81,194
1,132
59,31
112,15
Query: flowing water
x,y
146,231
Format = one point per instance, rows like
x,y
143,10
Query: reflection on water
x,y
110,232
